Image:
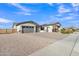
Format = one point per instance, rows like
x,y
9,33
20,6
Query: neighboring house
x,y
30,26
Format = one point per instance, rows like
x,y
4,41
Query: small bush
x,y
67,31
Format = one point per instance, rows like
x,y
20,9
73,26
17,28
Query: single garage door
x,y
27,29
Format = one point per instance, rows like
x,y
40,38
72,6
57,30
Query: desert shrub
x,y
62,30
67,31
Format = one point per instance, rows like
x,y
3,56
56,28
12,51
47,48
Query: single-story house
x,y
30,26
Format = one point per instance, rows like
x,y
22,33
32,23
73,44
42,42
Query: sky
x,y
42,13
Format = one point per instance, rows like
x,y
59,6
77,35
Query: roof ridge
x,y
26,22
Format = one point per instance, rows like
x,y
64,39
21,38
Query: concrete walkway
x,y
66,47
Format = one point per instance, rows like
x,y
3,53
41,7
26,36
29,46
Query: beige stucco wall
x,y
50,28
47,29
19,27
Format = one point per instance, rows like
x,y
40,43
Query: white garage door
x,y
27,29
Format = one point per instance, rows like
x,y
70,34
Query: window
x,y
23,26
26,26
32,27
42,28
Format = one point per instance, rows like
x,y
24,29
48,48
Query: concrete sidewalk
x,y
76,48
65,47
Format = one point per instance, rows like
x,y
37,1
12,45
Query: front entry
x,y
27,29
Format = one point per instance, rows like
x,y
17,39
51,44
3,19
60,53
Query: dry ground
x,y
24,44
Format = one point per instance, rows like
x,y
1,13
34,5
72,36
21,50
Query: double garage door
x,y
27,29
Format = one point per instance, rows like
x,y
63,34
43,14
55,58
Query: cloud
x,y
20,7
58,15
75,6
69,17
2,20
75,23
74,14
50,4
62,18
25,11
62,9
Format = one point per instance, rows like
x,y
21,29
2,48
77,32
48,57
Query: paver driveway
x,y
24,44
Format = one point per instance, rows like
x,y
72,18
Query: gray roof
x,y
56,23
26,22
36,23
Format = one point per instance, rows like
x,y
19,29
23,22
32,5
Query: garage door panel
x,y
28,29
